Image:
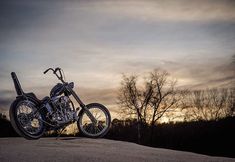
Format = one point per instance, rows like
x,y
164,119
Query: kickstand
x,y
60,133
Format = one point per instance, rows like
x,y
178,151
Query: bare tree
x,y
164,96
230,103
217,103
134,101
210,104
157,97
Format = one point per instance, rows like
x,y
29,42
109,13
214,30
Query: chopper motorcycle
x,y
32,117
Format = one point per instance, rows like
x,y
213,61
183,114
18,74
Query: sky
x,y
96,41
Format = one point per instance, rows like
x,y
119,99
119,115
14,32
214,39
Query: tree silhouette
x,y
148,103
209,104
133,100
164,97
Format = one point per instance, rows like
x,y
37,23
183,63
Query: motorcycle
x,y
32,117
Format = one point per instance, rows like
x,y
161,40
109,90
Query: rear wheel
x,y
103,121
26,119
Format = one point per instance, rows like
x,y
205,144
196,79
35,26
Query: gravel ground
x,y
91,150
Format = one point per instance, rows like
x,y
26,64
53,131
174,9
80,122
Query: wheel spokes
x,y
29,121
95,128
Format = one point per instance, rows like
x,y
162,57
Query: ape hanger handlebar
x,y
59,76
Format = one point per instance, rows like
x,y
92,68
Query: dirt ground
x,y
91,150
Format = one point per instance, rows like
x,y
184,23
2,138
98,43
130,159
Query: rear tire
x,y
17,125
101,128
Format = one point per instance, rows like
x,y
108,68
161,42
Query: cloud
x,y
6,98
96,41
20,17
233,62
5,102
178,10
105,96
208,73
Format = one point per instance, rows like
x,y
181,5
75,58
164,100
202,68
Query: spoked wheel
x,y
100,126
26,120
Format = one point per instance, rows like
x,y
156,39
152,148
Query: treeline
x,y
206,137
6,130
208,104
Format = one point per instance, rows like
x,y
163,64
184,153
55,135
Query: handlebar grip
x,y
48,70
45,71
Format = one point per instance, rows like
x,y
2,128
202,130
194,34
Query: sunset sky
x,y
96,41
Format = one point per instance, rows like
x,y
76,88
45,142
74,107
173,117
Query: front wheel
x,y
93,129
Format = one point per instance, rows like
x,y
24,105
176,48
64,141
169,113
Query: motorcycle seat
x,y
32,95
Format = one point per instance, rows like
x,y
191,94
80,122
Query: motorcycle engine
x,y
62,112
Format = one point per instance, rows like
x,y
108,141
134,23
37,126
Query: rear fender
x,y
29,97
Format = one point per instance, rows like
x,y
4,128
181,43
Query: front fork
x,y
89,114
83,106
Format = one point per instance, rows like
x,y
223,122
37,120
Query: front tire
x,y
25,124
101,114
